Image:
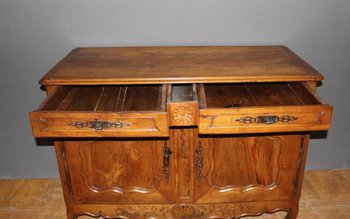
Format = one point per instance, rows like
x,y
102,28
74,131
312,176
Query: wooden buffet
x,y
181,132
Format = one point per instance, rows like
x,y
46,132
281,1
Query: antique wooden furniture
x,y
181,132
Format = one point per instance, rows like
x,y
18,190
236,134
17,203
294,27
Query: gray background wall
x,y
35,34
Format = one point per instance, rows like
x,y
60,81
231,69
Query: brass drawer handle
x,y
99,125
268,120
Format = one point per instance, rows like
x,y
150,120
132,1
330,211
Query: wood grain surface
x,y
151,65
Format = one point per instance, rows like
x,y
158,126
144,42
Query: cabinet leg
x,y
70,215
292,213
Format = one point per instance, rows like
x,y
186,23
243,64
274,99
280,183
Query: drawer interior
x,y
182,93
107,98
255,94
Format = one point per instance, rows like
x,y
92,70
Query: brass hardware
x,y
268,120
199,162
166,161
99,125
43,124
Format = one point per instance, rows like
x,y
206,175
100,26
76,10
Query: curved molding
x,y
249,188
180,211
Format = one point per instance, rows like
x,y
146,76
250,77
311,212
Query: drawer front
x,y
90,124
265,119
182,105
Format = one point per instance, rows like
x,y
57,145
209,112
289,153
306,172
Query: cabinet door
x,y
247,168
118,171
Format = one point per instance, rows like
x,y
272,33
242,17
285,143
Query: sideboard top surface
x,y
203,64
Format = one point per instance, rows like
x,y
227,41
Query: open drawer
x,y
261,108
102,111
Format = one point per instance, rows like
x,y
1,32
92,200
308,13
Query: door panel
x,y
119,171
246,168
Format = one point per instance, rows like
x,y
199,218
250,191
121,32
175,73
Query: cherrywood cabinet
x,y
181,132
